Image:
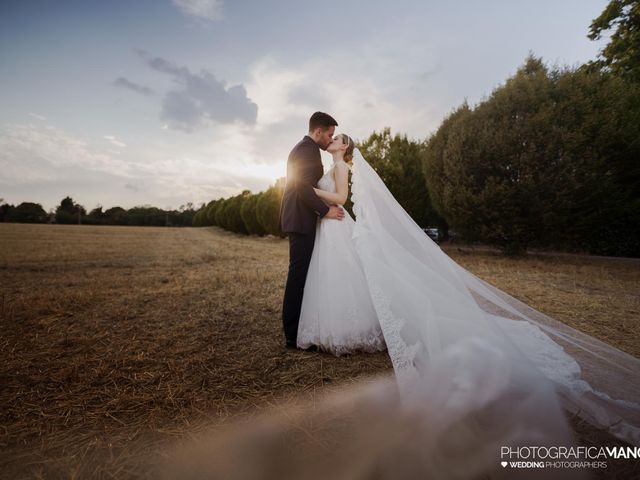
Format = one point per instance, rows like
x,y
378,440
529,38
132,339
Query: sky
x,y
166,102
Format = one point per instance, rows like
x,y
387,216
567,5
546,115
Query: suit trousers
x,y
300,250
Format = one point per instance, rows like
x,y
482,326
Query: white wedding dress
x,y
337,313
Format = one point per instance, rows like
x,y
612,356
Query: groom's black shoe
x,y
291,346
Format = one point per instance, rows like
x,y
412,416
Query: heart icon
x,y
504,464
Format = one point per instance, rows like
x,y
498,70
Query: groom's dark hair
x,y
321,120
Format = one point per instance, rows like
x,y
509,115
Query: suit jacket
x,y
301,207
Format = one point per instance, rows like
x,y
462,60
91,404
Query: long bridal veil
x,y
484,352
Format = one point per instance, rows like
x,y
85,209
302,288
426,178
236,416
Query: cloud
x,y
202,100
366,87
341,85
44,163
39,117
309,95
128,84
115,141
208,10
35,152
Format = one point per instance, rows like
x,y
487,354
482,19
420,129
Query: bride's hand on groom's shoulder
x,y
335,212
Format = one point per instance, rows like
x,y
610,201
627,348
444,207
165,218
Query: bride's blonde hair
x,y
348,154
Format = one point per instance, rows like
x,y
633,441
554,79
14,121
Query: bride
x,y
381,282
337,313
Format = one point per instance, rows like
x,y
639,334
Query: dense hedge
x,y
550,159
247,213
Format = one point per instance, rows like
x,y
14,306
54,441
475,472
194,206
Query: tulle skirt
x,y
337,312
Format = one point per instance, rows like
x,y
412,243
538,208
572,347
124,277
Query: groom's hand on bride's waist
x,y
335,212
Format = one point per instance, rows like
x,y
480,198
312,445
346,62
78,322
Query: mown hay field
x,y
116,341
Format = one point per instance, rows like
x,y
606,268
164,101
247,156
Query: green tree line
x,y
246,213
70,212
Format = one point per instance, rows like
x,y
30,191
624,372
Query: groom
x,y
299,213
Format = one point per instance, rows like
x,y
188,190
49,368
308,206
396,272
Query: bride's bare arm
x,y
341,176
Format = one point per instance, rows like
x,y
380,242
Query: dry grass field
x,y
118,340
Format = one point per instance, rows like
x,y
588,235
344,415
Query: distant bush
x,y
198,218
232,216
26,212
115,216
268,210
218,213
248,212
69,212
210,211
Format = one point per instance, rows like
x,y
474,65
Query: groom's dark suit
x,y
299,214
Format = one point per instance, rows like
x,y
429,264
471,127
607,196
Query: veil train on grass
x,y
501,354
